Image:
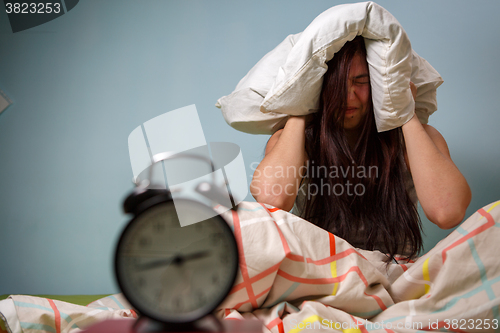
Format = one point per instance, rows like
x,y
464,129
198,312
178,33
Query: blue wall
x,y
81,83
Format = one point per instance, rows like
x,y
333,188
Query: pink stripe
x,y
403,258
265,273
57,315
327,260
360,326
487,225
282,237
243,265
324,280
298,258
237,306
257,277
378,300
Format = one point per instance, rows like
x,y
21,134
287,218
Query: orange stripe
x,y
243,265
333,264
332,244
272,210
478,230
275,322
280,328
57,315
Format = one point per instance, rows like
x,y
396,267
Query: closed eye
x,y
362,81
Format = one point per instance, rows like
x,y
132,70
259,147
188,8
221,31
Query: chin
x,y
351,126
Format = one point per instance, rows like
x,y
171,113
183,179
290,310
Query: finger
x,y
413,89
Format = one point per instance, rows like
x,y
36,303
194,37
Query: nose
x,y
351,92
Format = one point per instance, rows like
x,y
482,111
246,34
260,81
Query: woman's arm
x,y
277,179
441,188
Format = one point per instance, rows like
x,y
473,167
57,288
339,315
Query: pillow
x,y
287,80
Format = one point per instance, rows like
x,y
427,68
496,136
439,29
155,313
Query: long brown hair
x,y
384,215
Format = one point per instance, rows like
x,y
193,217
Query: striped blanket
x,y
297,277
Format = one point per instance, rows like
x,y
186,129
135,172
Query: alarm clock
x,y
174,275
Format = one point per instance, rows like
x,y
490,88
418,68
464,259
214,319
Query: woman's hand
x,y
413,89
441,188
277,179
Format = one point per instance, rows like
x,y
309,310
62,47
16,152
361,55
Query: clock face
x,y
172,273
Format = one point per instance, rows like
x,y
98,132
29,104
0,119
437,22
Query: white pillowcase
x,y
287,80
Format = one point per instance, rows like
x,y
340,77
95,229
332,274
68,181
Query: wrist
x,y
296,122
412,122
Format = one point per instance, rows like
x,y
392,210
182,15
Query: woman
x,y
359,183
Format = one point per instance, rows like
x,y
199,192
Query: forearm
x,y
277,178
441,188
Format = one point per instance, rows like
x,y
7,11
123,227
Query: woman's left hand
x,y
413,89
441,188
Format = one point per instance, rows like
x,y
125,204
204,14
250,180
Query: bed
x,y
297,277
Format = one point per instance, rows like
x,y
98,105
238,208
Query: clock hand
x,y
180,259
156,263
177,260
193,256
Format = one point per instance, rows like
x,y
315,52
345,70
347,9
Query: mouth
x,y
350,110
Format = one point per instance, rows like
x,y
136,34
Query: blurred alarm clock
x,y
175,275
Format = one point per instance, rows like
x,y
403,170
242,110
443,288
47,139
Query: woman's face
x,y
358,93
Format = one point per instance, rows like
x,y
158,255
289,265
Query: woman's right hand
x,y
277,179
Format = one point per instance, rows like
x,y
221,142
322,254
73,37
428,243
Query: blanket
x,y
297,277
